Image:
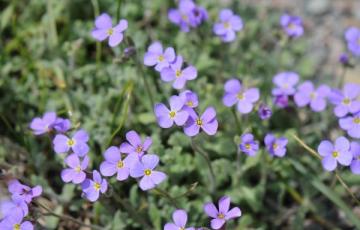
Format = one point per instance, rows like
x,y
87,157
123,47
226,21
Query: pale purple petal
x,y
190,73
108,169
345,158
252,95
191,129
67,175
244,106
181,118
121,27
168,74
126,148
208,115
233,213
99,34
230,99
103,21
112,154
137,170
211,210
325,148
329,163
146,183
176,103
211,127
224,204
133,138
60,144
150,161
217,223
232,86
342,144
115,39
180,218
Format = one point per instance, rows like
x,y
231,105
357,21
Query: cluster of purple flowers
x,y
275,146
169,65
219,215
182,112
16,210
187,15
130,160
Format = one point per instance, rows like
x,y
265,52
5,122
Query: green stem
x,y
96,7
237,121
146,83
118,11
167,196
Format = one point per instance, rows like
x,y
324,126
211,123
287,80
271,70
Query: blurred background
x,y
49,62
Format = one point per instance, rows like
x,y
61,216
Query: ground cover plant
x,y
174,115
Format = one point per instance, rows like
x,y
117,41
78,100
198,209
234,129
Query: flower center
x,y
190,103
221,216
313,95
227,25
178,73
357,120
346,101
275,146
78,169
291,26
139,149
285,86
335,154
147,172
172,114
70,142
16,226
120,164
248,146
161,58
110,31
240,96
184,17
97,186
199,122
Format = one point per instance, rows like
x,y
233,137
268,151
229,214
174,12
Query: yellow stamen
x,y
285,86
78,169
221,216
190,103
291,26
147,172
356,120
70,142
16,226
275,146
199,122
226,25
247,146
335,154
312,95
139,149
161,58
184,17
120,164
97,186
178,73
110,31
346,101
172,114
240,96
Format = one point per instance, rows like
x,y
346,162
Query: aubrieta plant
x,y
95,169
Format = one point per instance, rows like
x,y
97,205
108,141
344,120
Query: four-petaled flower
x,y
166,117
275,146
75,173
292,25
245,98
78,143
307,94
156,56
15,222
223,214
145,168
24,191
228,25
17,205
177,74
115,164
180,219
285,83
355,152
248,144
134,144
104,29
352,36
44,124
92,188
207,122
351,124
345,101
191,101
332,154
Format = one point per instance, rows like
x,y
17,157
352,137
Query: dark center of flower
x,y
120,164
221,216
70,142
172,114
161,58
16,226
248,146
346,101
78,169
178,73
357,120
335,154
147,172
139,149
240,96
97,186
199,122
110,31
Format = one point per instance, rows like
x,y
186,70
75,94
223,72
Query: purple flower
x,y
223,214
78,143
15,222
355,163
228,25
352,36
44,124
178,75
187,15
145,168
292,25
344,59
190,102
104,29
351,124
135,145
16,206
285,83
345,101
156,56
92,188
275,146
166,117
264,112
23,191
248,144
75,173
207,122
62,125
307,94
115,164
281,101
180,219
245,98
335,153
